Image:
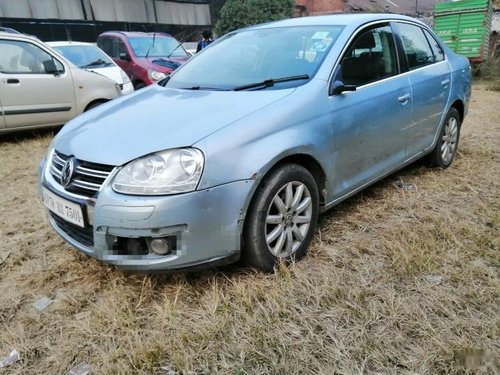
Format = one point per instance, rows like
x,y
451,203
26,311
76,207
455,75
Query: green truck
x,y
465,26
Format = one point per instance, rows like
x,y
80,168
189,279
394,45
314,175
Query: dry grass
x,y
490,73
364,300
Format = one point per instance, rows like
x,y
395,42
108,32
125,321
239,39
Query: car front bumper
x,y
205,225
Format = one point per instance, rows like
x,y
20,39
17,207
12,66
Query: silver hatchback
x,y
40,88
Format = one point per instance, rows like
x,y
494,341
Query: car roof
x,y
341,19
61,43
9,30
136,34
11,35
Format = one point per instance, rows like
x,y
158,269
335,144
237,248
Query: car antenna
x,y
152,44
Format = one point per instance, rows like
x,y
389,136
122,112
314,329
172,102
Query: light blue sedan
x,y
237,152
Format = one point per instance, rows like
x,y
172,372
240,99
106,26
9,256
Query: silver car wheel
x,y
449,140
288,219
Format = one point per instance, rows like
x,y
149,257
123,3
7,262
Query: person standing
x,y
205,42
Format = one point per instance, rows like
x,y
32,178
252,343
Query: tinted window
x,y
371,57
436,48
106,44
21,57
417,49
119,47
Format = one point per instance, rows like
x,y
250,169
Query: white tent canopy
x,y
143,11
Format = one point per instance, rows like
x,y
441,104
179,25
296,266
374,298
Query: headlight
x,y
166,172
125,78
156,76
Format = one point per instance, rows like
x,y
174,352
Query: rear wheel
x,y
446,148
282,218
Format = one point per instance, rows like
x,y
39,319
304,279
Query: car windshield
x,y
157,47
258,59
85,56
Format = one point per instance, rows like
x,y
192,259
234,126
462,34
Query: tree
x,y
215,8
236,14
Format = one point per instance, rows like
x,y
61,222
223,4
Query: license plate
x,y
69,211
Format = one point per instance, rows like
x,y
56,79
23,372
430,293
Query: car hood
x,y
112,72
164,64
154,119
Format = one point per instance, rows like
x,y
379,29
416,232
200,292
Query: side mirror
x,y
338,87
124,56
50,67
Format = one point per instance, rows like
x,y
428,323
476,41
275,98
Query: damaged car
x,y
236,153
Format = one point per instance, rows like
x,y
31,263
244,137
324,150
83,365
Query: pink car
x,y
146,57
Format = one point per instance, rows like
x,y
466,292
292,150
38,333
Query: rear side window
x,y
371,57
416,47
436,48
19,57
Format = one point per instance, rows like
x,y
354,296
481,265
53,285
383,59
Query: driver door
x,y
370,123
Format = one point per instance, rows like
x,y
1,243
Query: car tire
x,y
446,147
281,219
139,85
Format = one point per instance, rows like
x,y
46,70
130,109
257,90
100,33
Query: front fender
x,y
300,124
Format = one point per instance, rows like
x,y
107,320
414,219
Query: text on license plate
x,y
69,211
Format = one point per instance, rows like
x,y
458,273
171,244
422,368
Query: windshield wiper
x,y
204,88
96,63
152,45
271,82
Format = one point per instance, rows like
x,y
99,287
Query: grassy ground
x,y
397,282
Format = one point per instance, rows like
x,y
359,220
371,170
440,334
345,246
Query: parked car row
x,y
39,87
47,84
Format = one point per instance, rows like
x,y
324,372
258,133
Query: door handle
x,y
404,98
11,81
445,82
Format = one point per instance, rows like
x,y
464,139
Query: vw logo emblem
x,y
67,171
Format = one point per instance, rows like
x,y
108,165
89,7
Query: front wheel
x,y
282,218
446,148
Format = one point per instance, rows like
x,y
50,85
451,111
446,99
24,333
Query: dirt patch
x,y
398,281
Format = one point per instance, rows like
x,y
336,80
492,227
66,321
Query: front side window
x,y
24,58
106,44
417,49
120,48
247,57
371,57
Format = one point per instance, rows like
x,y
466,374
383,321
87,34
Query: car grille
x,y
87,177
85,236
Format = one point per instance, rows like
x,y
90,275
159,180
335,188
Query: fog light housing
x,y
160,246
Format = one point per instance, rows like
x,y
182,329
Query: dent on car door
x,y
430,79
30,95
370,122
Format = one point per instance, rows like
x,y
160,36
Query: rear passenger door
x,y
369,123
430,79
